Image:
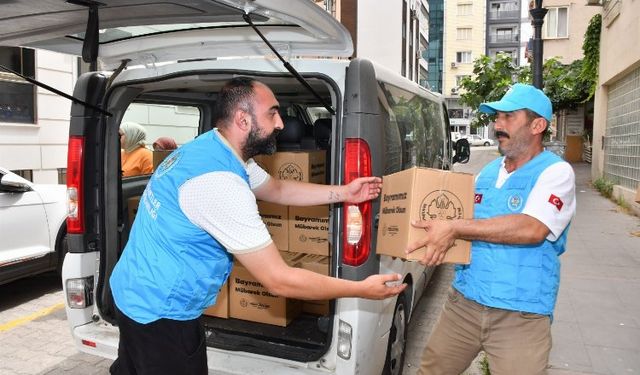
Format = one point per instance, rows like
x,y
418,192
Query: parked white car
x,y
32,227
476,140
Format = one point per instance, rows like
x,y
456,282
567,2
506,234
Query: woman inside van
x,y
136,158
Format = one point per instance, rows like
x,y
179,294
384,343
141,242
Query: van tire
x,y
487,144
396,348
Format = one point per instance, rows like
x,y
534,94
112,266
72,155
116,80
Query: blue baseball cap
x,y
521,96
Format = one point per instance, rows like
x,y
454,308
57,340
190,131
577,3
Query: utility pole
x,y
537,15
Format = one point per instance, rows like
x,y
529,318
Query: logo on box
x,y
441,204
290,171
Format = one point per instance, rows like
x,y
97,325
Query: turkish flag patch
x,y
556,201
477,199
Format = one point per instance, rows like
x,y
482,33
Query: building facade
x,y
34,123
616,126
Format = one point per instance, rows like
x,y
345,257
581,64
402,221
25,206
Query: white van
x,y
161,64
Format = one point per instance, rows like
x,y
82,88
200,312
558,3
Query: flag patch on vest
x,y
477,199
556,201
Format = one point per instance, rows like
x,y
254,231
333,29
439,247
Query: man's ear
x,y
538,125
242,120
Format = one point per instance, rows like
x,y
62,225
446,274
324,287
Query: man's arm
x,y
268,267
507,229
294,193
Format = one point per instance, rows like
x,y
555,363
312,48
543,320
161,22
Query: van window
x,y
176,122
415,126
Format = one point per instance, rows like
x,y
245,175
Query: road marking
x,y
28,318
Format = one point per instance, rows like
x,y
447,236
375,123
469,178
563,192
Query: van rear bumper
x,y
99,339
223,362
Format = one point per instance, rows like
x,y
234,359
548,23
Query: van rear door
x,y
153,32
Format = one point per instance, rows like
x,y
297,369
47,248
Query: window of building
x,y
464,9
62,176
464,33
17,96
464,57
504,34
27,174
556,23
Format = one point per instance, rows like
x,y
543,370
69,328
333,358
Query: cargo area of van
x,y
248,317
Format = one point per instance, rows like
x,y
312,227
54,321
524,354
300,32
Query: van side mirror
x,y
13,183
463,151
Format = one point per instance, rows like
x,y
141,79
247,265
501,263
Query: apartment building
x,y
616,124
464,37
34,123
508,29
394,34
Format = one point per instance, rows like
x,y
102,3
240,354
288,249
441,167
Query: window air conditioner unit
x,y
454,65
454,91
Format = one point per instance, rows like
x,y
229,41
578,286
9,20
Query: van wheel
x,y
396,348
487,144
63,249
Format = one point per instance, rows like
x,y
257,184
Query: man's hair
x,y
235,94
531,115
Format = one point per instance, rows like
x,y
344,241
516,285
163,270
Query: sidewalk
x,y
597,321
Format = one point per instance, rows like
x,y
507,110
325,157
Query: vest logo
x,y
167,164
515,202
290,171
477,199
556,201
441,204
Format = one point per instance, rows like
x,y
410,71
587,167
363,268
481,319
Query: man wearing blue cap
x,y
503,301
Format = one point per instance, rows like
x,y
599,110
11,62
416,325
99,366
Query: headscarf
x,y
164,144
134,136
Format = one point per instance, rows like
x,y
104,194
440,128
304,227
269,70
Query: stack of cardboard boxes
x,y
300,233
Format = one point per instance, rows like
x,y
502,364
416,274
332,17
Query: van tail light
x,y
356,220
75,168
79,292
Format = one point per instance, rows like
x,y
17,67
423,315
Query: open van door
x,y
152,32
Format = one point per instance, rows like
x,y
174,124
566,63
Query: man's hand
x,y
363,189
439,237
382,286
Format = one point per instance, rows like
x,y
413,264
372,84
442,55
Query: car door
x,y
23,225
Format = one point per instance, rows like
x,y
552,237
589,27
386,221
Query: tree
x,y
565,85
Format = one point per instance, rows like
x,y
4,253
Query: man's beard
x,y
257,144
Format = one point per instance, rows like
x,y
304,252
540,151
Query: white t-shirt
x,y
231,215
552,199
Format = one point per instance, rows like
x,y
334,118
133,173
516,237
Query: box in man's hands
x,y
423,194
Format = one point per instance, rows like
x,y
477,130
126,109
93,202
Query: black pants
x,y
165,346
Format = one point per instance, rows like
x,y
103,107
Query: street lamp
x,y
537,15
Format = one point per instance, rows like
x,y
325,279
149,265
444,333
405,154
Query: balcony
x,y
504,14
508,38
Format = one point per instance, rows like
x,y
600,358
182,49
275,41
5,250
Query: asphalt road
x,y
35,337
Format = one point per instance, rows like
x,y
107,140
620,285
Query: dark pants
x,y
165,346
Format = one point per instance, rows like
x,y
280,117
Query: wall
x,y
42,147
380,32
570,48
619,56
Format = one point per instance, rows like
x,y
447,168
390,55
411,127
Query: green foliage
x,y
484,365
591,50
490,80
565,85
604,186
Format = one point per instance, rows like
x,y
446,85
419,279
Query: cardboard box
x,y
221,308
421,194
249,300
158,157
319,264
306,166
276,218
132,208
309,229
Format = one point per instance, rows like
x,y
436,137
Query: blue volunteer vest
x,y
171,268
512,277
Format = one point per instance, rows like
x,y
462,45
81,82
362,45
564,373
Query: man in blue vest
x,y
197,212
503,301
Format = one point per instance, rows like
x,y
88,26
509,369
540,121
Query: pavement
x,y
596,327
